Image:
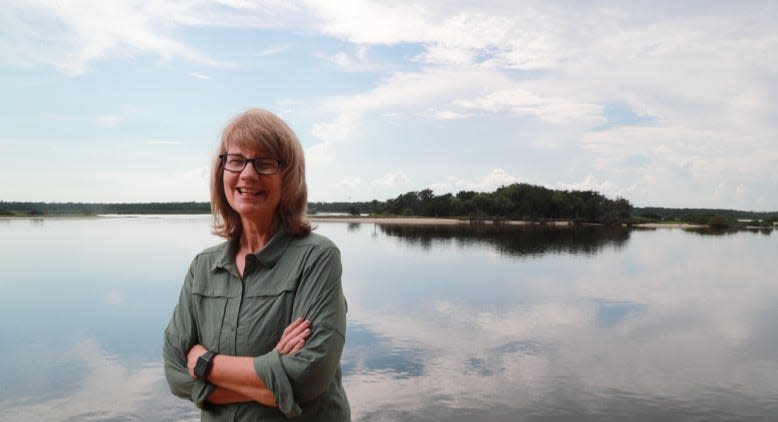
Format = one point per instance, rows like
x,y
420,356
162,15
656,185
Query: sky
x,y
664,103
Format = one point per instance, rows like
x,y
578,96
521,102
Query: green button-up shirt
x,y
290,277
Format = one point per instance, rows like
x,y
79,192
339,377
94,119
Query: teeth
x,y
248,192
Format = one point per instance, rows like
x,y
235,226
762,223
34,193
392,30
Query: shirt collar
x,y
267,256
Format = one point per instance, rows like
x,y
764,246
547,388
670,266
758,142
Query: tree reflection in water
x,y
515,240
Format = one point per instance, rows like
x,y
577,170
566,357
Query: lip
x,y
249,191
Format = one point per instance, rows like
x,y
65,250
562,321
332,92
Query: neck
x,y
256,233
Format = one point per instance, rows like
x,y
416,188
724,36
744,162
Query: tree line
x,y
519,201
718,218
81,208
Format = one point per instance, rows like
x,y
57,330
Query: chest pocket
x,y
266,311
211,302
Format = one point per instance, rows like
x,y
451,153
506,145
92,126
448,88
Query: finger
x,y
293,325
284,349
288,341
300,339
281,345
288,333
293,344
295,331
302,335
299,328
298,346
304,325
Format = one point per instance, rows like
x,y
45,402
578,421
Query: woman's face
x,y
253,196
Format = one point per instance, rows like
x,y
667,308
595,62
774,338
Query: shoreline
x,y
423,221
418,221
454,221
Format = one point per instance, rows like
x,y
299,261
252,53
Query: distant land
x,y
518,201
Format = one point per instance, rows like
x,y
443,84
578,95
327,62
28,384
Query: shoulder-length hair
x,y
262,130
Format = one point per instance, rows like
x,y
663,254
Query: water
x,y
445,323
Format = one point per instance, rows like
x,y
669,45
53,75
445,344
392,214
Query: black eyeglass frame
x,y
253,161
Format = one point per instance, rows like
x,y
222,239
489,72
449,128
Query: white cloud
x,y
198,174
412,91
113,297
495,179
350,183
391,179
498,177
521,102
447,114
340,58
107,121
273,50
688,166
510,35
704,77
163,142
136,185
347,62
692,72
607,187
341,129
199,76
265,14
190,184
70,36
416,90
320,153
369,22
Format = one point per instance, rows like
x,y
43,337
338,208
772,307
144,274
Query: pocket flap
x,y
217,285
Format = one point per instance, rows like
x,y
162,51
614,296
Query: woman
x,y
260,324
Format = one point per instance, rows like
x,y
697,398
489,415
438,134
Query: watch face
x,y
200,368
203,364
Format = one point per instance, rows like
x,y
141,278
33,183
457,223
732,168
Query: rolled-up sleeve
x,y
180,336
303,376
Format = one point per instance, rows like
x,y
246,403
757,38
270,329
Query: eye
x,y
235,160
267,164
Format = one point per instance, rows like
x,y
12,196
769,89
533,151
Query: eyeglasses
x,y
263,165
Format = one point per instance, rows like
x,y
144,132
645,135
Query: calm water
x,y
445,323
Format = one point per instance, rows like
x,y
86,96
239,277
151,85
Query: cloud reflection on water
x,y
665,329
504,325
84,382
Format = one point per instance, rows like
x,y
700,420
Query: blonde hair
x,y
262,130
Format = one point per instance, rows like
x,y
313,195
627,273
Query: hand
x,y
191,358
293,339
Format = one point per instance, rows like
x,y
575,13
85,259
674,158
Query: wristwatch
x,y
203,365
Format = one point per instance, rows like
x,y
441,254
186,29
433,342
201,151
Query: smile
x,y
244,191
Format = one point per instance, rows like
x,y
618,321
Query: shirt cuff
x,y
271,371
200,391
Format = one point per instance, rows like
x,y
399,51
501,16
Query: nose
x,y
249,171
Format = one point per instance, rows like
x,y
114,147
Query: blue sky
x,y
661,103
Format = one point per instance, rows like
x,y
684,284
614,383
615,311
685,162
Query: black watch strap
x,y
203,365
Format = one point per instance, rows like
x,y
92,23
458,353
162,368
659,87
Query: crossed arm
x,y
300,368
235,378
